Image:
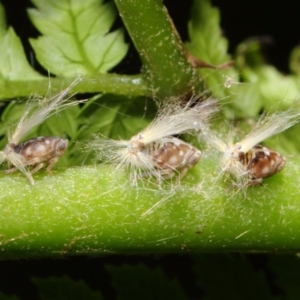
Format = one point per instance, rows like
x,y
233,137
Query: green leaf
x,y
274,90
208,44
13,62
263,85
12,113
230,277
65,123
140,282
75,37
114,117
64,288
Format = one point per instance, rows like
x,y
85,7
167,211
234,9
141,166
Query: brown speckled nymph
x,y
261,162
40,151
171,155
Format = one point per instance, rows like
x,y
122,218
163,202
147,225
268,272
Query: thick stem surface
x,y
95,211
162,52
105,83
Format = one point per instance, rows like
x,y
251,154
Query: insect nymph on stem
x,y
167,156
154,151
252,166
37,152
247,160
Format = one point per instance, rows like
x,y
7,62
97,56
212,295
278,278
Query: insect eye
x,y
61,146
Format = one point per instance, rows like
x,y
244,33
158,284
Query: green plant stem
x,y
162,52
96,211
105,83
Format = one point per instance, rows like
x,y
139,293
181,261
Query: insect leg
x,y
11,170
38,167
52,162
255,181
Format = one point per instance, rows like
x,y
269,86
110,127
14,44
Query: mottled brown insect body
x,y
261,162
39,151
171,155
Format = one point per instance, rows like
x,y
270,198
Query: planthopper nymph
x,y
31,155
252,166
163,158
154,151
248,161
37,152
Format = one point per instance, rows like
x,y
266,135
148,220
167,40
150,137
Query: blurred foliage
x,y
64,288
140,282
203,277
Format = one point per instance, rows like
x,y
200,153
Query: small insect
x,y
262,162
38,151
252,166
154,151
248,161
170,155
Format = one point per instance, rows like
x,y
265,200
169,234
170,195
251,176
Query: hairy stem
x,y
105,83
96,211
162,52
